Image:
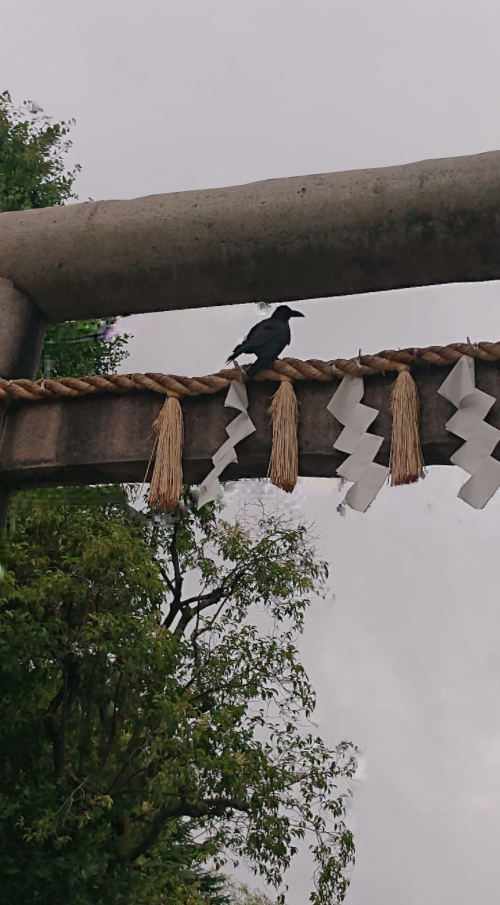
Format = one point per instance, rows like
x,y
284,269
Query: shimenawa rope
x,y
293,368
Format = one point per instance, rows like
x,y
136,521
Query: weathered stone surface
x,y
22,328
431,222
105,439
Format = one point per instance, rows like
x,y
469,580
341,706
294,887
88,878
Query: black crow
x,y
266,340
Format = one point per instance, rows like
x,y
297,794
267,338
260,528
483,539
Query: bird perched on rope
x,y
266,340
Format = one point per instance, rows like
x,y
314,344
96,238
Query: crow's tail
x,y
238,351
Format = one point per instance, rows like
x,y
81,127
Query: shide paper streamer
x,y
367,476
481,438
237,430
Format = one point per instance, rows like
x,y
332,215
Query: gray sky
x,y
172,96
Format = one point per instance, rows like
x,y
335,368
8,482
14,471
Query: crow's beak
x,y
297,314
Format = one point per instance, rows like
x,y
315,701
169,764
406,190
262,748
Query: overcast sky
x,y
172,96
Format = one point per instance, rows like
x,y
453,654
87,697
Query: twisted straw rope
x,y
291,368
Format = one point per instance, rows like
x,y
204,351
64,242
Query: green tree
x,y
32,159
82,348
138,695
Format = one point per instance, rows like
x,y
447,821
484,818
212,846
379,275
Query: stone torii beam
x,y
424,223
109,439
436,221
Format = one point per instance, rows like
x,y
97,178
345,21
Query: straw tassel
x,y
406,461
166,483
284,462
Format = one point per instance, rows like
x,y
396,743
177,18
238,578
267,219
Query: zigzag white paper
x,y
237,430
367,476
468,423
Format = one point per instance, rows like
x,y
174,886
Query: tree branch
x,y
185,808
84,731
166,578
189,612
222,594
174,553
175,587
112,728
64,696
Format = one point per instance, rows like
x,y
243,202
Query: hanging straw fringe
x,y
166,483
284,461
406,460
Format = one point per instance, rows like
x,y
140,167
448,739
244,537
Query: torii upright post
x,y
22,329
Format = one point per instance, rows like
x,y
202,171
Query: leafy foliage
x,y
82,348
32,168
132,707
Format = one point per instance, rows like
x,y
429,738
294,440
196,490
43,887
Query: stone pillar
x,y
22,328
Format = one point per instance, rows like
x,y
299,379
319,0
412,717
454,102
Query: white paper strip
x,y
365,489
359,467
481,438
237,430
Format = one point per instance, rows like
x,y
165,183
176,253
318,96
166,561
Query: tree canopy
x,y
140,694
32,159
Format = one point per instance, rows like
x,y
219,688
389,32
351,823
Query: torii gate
x,y
420,224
